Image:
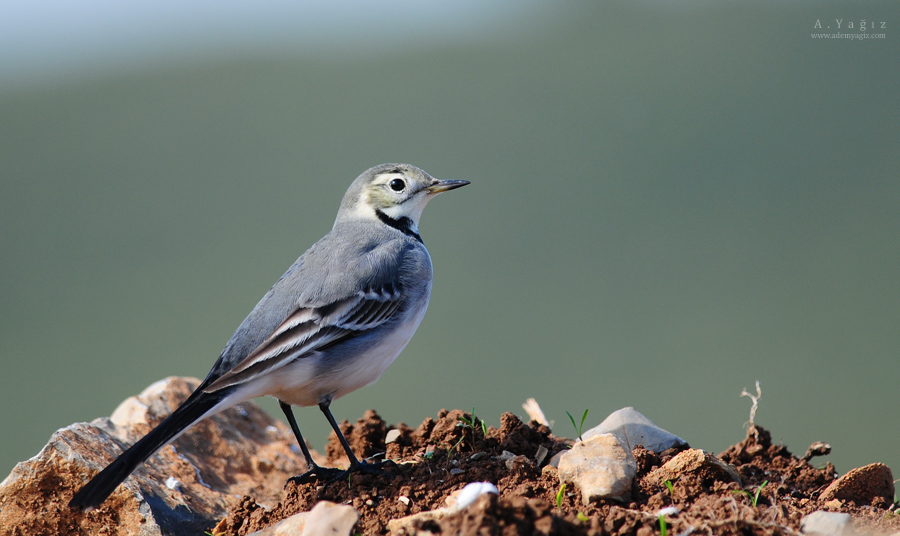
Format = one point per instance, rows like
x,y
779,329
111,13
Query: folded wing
x,y
308,329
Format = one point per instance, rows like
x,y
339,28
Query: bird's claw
x,y
330,475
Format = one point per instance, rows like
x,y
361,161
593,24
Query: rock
x,y
391,436
456,502
183,489
472,491
325,518
602,468
633,428
821,523
862,485
697,462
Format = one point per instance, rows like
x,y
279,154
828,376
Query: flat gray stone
x,y
633,428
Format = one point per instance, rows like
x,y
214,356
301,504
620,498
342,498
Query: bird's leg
x,y
314,471
355,464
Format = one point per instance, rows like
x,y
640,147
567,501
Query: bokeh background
x,y
669,201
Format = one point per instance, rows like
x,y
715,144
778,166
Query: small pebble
x,y
392,436
821,523
472,491
173,483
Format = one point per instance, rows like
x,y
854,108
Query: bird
x,y
330,325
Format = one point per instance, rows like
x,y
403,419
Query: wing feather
x,y
308,329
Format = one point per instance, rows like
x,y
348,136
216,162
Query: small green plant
x,y
471,423
758,490
671,487
456,446
663,528
578,427
559,496
467,423
754,497
581,516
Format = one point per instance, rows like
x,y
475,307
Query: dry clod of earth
x,y
230,470
441,456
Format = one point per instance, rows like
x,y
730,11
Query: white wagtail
x,y
332,324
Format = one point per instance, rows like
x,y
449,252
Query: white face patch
x,y
364,209
396,195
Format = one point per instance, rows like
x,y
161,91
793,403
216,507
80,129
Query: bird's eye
x,y
397,185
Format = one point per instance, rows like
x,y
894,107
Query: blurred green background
x,y
669,201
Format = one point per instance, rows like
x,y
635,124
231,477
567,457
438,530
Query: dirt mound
x,y
441,456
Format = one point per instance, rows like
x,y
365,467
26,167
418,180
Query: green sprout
x,y
469,423
754,497
559,496
580,427
663,528
474,421
581,516
758,490
671,487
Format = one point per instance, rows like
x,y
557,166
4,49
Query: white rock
x,y
458,500
173,483
633,428
392,435
602,468
822,523
472,491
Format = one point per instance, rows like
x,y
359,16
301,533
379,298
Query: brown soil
x,y
441,456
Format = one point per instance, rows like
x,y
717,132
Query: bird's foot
x,y
330,475
317,473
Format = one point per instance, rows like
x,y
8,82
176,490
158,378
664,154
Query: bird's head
x,y
396,191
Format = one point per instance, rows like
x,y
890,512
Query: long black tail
x,y
102,485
